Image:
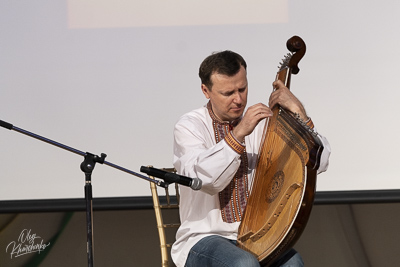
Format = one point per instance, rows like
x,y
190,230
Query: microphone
x,y
6,125
169,177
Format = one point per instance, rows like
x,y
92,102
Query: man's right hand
x,y
251,118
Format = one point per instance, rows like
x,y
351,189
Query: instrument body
x,y
283,189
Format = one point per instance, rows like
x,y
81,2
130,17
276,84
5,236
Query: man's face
x,y
228,95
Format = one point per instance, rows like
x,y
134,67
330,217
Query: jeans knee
x,y
246,260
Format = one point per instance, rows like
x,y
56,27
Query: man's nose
x,y
237,98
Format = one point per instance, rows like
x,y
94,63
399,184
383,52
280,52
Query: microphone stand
x,y
87,166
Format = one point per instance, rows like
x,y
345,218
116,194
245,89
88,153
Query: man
x,y
218,144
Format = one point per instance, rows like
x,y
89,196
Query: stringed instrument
x,y
283,188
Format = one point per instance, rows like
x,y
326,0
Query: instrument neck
x,y
284,76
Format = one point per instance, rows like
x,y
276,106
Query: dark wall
x,y
337,235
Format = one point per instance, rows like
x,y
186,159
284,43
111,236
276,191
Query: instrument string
x,y
266,153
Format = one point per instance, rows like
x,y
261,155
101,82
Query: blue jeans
x,y
221,252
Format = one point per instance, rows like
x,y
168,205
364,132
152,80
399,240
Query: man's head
x,y
225,62
224,82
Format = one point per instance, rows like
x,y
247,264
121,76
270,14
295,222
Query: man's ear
x,y
205,91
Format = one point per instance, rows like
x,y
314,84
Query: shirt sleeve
x,y
326,152
197,155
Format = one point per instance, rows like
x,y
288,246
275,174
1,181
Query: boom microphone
x,y
169,177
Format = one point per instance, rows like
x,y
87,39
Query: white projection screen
x,y
113,77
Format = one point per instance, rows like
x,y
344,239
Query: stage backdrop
x,y
113,76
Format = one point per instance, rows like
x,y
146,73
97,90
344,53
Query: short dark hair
x,y
225,62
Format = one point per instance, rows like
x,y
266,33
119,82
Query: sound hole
x,y
276,186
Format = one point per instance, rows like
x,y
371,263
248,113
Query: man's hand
x,y
251,118
284,97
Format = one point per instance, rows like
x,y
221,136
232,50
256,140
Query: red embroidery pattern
x,y
233,198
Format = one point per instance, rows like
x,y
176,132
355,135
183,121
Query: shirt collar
x,y
215,118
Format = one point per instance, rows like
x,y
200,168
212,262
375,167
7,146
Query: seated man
x,y
218,143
